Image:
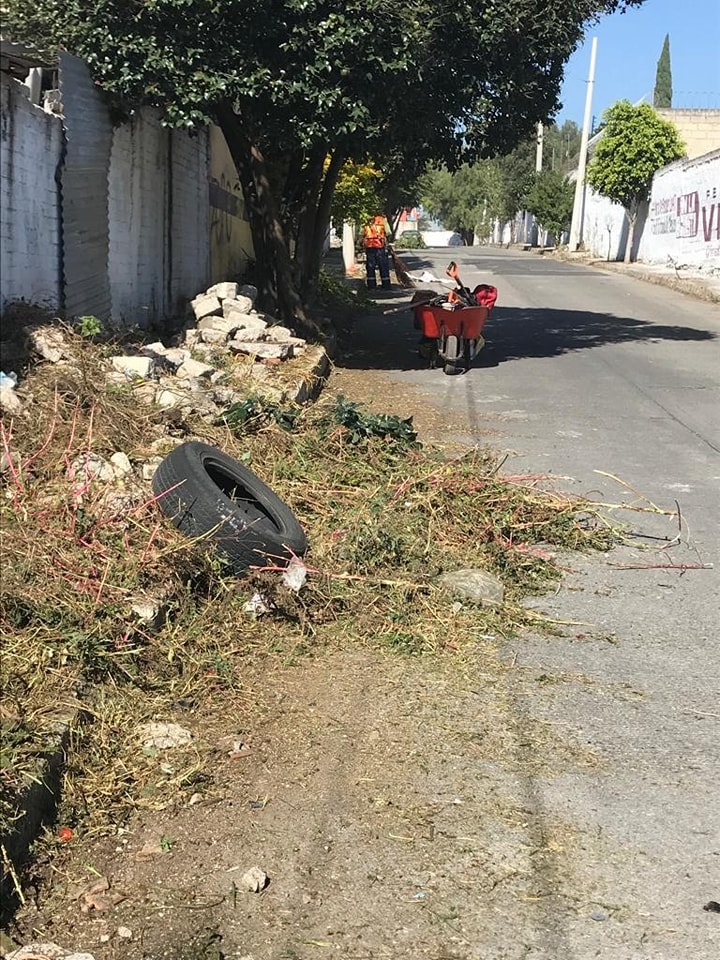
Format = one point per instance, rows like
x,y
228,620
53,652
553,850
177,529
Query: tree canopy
x,y
636,142
293,82
662,94
550,200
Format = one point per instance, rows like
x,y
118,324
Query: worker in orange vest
x,y
376,253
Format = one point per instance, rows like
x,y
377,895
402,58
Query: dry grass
x,y
383,516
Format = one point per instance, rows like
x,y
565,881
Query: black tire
x,y
451,356
209,494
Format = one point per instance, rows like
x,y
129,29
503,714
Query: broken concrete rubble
x,y
141,368
266,351
205,305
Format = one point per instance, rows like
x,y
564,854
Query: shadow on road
x,y
390,342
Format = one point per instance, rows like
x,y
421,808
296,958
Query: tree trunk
x,y
307,188
632,220
275,275
308,280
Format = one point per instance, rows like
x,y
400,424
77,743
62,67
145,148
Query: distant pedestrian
x,y
376,253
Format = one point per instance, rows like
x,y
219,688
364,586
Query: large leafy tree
x,y
550,200
292,82
636,142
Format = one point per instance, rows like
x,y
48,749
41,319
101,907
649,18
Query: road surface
x,y
589,374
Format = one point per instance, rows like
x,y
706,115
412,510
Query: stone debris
x,y
9,401
46,951
266,351
254,880
205,305
224,291
476,585
141,368
194,368
121,464
91,466
164,736
47,342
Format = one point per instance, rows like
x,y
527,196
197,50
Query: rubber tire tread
x,y
263,533
451,346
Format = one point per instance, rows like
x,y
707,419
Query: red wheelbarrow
x,y
452,325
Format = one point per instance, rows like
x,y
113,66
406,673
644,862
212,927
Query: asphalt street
x,y
611,386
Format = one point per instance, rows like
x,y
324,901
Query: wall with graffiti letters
x,y
230,239
683,220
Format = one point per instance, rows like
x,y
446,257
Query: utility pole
x,y
576,227
539,151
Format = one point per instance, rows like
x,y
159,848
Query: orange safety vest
x,y
374,233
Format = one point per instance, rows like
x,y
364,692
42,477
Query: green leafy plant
x,y
89,326
550,200
362,426
636,142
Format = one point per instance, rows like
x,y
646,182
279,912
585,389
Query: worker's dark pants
x,y
377,258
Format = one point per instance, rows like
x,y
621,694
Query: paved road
x,y
588,371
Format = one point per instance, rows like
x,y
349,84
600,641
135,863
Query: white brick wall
x,y
30,150
158,213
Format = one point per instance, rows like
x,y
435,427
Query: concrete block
x,y
266,351
140,367
211,335
239,305
206,306
194,368
225,291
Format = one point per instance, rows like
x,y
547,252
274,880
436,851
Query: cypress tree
x,y
662,95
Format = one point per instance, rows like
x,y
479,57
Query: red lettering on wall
x,y
688,215
708,222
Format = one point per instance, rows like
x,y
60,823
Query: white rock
x,y
211,335
141,367
149,468
156,349
9,402
254,880
90,466
125,933
478,585
191,337
164,735
242,305
204,306
266,351
145,393
225,291
167,399
278,334
48,342
194,368
121,464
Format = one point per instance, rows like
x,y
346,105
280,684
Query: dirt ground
x,y
391,801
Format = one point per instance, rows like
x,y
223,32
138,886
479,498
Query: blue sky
x,y
629,45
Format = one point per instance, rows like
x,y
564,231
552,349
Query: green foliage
x,y
89,326
363,426
662,94
252,413
561,146
635,144
357,197
550,200
410,240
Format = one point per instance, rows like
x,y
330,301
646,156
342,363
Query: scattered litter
x,y
8,380
125,933
256,605
65,834
254,880
712,906
295,575
194,799
162,736
239,750
419,896
599,915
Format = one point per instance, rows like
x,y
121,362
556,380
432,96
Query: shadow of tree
x,y
390,342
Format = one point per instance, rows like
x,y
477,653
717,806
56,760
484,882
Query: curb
x,y
690,286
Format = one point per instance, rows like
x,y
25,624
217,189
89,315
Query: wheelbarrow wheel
x,y
451,356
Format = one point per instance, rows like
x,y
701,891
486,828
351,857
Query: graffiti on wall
x,y
686,219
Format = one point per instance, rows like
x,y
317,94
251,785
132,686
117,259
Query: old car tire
x,y
209,494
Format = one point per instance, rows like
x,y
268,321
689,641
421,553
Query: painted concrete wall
x,y
230,238
699,129
681,222
30,150
684,216
159,219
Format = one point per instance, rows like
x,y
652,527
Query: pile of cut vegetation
x,y
111,616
